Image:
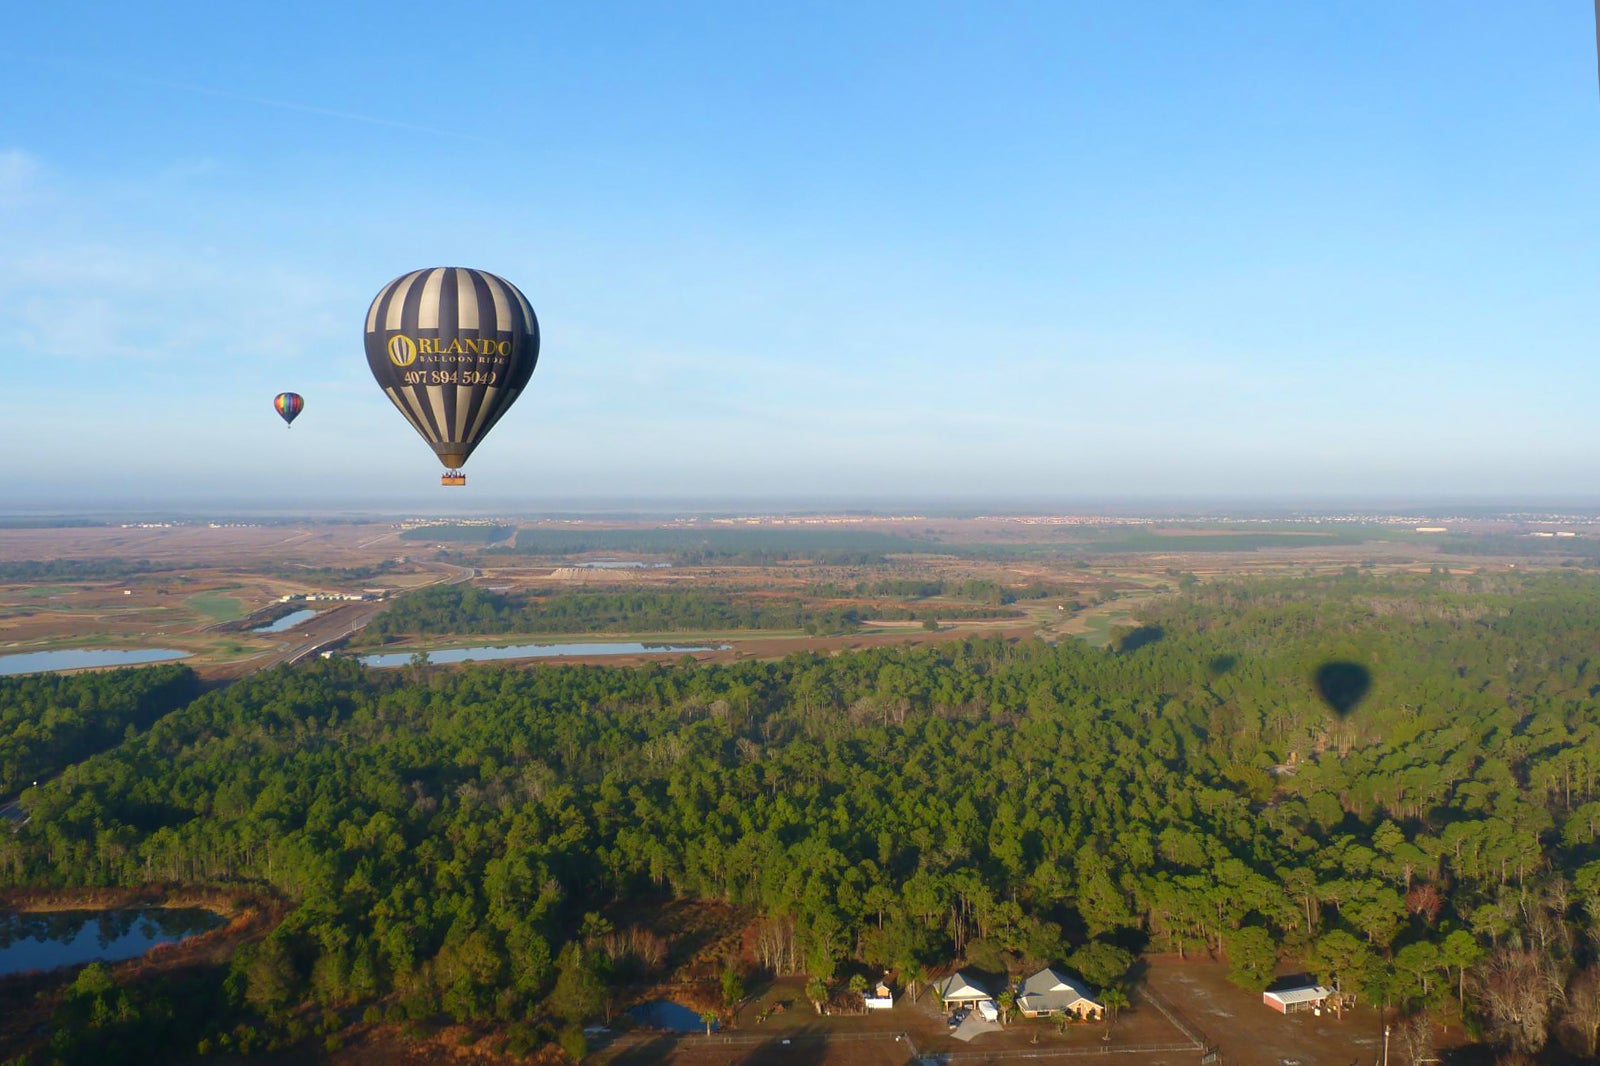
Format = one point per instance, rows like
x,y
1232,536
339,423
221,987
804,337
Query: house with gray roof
x,y
1050,992
958,990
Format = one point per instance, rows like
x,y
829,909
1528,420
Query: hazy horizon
x,y
662,507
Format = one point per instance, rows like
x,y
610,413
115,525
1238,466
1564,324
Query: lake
x,y
35,662
66,938
537,651
620,564
673,1017
288,621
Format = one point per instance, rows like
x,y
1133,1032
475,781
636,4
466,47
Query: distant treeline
x,y
1142,541
82,569
49,721
49,523
756,547
979,590
1510,544
453,534
329,574
460,609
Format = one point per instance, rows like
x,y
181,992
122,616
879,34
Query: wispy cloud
x,y
274,103
19,176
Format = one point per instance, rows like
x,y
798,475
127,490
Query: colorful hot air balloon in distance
x,y
289,405
452,348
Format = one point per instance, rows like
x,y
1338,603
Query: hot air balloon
x,y
289,405
452,348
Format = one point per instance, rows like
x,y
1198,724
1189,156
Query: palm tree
x,y
858,985
817,992
1006,1001
709,1017
913,974
1113,999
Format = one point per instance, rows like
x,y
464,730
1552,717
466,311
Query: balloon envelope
x,y
452,348
289,405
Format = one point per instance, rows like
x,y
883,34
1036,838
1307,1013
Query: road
x,y
334,625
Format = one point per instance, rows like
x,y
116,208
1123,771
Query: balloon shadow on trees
x,y
1134,639
1342,685
1221,664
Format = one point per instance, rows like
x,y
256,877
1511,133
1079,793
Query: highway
x,y
339,623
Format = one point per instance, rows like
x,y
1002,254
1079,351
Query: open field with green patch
x,y
217,605
127,588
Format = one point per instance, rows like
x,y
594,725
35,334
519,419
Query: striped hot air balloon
x,y
289,405
452,348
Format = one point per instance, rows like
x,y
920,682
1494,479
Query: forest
x,y
37,570
482,533
1390,781
456,609
751,547
49,721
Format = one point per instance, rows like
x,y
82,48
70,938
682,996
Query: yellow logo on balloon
x,y
402,350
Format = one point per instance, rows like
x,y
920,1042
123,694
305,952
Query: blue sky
x,y
1056,250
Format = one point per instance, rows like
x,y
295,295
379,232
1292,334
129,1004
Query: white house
x,y
1051,992
1292,1000
958,991
881,997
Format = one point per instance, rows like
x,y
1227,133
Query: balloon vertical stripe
x,y
288,405
452,348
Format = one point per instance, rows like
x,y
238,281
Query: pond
x,y
537,651
288,621
35,662
620,564
673,1017
66,938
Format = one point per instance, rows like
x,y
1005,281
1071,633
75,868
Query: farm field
x,y
201,587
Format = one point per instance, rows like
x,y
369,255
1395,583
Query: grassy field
x,y
1098,622
216,606
39,592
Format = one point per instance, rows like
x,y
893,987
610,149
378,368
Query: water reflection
x,y
537,651
288,621
66,938
35,662
620,564
673,1017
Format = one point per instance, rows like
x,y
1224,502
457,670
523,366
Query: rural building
x,y
881,997
958,991
1050,992
354,597
1299,998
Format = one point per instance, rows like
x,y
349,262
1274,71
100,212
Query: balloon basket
x,y
454,477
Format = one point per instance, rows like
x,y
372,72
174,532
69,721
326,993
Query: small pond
x,y
620,564
35,662
537,651
288,621
673,1017
66,938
